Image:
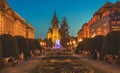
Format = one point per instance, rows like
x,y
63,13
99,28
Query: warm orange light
x,y
80,40
93,35
74,42
67,43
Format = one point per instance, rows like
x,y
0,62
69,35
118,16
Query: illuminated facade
x,y
83,33
80,35
13,24
105,20
108,21
54,32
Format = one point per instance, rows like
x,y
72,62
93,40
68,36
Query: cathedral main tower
x,y
53,33
55,28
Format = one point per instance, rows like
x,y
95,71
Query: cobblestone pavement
x,y
108,68
27,66
24,67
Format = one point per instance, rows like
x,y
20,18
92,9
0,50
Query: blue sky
x,y
40,13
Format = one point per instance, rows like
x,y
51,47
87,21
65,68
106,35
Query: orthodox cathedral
x,y
56,34
53,33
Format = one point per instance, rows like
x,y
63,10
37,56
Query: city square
x,y
59,37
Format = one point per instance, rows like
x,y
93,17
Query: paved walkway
x,y
24,67
108,68
27,66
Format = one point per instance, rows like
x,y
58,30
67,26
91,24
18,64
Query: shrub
x,y
0,50
111,44
79,47
85,44
9,46
97,42
1,55
37,44
48,43
23,46
118,59
32,45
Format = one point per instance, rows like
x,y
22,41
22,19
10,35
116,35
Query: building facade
x,y
53,33
80,35
83,33
12,23
109,20
105,20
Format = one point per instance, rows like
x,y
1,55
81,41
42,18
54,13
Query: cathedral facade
x,y
53,33
58,34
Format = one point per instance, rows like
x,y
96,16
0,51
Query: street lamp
x,y
68,43
74,42
93,35
41,43
80,40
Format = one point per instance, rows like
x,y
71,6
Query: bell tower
x,y
55,28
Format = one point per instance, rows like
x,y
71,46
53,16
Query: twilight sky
x,y
39,13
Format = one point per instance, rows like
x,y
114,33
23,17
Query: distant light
x,y
74,42
80,40
67,43
93,35
57,44
70,43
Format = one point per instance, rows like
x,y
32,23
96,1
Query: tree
x,y
0,50
31,44
84,45
87,43
111,44
79,47
23,46
48,43
9,46
1,63
118,59
97,42
37,44
64,33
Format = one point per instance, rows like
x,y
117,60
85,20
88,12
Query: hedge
x,y
9,46
23,46
111,44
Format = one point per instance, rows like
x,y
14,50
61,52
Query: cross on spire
x,y
54,12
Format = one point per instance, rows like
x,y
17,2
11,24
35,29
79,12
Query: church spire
x,y
55,22
55,12
55,19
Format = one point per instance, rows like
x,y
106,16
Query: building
x,y
12,23
58,33
53,33
105,20
109,20
83,33
80,35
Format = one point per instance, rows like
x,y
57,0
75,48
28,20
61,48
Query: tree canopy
x,y
0,50
111,43
9,46
23,45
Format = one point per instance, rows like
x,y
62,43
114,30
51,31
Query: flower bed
x,y
63,64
